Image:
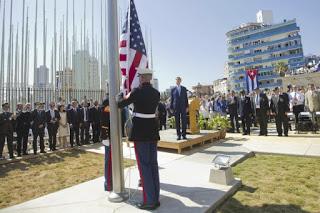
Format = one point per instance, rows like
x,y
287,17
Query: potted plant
x,y
221,123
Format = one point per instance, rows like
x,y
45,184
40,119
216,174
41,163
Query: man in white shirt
x,y
296,101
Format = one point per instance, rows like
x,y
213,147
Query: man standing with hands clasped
x,y
179,105
145,135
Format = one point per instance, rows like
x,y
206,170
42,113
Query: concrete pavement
x,y
184,177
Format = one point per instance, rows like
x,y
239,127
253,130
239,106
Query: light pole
x,y
118,194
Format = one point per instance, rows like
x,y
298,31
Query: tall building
x,y
41,77
155,83
64,79
261,45
221,86
86,71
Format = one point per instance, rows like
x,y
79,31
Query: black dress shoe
x,y
43,152
19,155
286,135
26,153
178,138
185,138
148,206
280,135
244,133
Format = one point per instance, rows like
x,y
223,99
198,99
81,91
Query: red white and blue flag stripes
x,y
252,79
133,52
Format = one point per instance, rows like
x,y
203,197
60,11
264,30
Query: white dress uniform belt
x,y
141,115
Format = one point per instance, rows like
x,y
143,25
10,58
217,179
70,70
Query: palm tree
x,y
281,68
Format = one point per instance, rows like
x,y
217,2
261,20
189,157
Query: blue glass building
x,y
262,46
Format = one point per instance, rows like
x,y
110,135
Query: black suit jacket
x,y
49,118
38,118
87,114
6,123
280,105
178,102
232,104
74,117
94,115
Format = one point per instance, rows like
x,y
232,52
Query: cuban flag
x,y
252,79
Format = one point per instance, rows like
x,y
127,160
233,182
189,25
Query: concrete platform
x,y
168,139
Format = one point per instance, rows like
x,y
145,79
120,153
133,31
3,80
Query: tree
x,y
281,68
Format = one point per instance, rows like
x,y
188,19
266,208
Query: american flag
x,y
133,53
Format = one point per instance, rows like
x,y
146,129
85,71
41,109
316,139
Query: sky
x,y
188,36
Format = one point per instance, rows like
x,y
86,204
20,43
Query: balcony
x,y
268,60
267,52
266,33
297,37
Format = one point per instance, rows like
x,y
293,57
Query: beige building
x,y
302,79
202,90
221,86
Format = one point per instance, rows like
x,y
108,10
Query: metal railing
x,y
31,95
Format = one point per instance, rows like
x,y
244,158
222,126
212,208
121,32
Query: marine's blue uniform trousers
x,y
146,155
107,169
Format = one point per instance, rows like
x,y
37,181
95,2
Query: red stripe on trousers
x,y
134,65
109,170
123,57
141,176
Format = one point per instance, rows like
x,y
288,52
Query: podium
x,y
194,106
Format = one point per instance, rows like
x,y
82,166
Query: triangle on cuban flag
x,y
252,79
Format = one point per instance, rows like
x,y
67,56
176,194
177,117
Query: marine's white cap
x,y
144,71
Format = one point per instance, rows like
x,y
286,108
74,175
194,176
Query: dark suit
x,y
179,104
19,129
74,120
245,111
261,112
52,126
232,105
95,123
6,132
38,126
27,118
162,116
85,117
280,106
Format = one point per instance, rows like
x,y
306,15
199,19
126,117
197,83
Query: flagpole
x,y
22,45
2,52
118,194
128,46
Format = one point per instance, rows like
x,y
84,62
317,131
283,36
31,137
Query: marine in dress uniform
x,y
6,130
145,135
105,136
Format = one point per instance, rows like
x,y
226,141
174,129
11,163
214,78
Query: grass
x,y
274,183
31,178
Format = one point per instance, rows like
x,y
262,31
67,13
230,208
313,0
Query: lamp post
x,y
118,194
